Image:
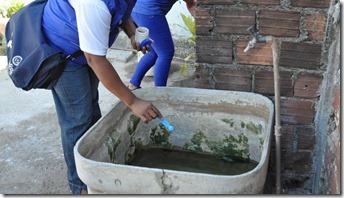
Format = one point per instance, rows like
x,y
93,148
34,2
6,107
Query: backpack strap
x,y
58,72
74,55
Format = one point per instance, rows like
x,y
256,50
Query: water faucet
x,y
256,38
275,57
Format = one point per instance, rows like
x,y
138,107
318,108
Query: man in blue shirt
x,y
92,26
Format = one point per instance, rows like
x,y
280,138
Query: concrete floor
x,y
31,158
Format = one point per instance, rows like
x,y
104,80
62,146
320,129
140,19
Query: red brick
x,y
297,111
264,83
279,23
260,54
296,162
287,137
307,85
204,24
202,78
214,51
227,79
215,2
201,83
337,166
261,2
306,138
300,55
335,180
332,166
311,3
336,104
315,26
234,21
202,12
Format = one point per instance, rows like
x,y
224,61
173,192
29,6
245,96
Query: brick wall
x,y
328,166
221,29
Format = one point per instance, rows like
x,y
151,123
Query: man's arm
x,y
111,80
129,28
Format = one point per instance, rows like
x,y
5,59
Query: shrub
x,y
8,11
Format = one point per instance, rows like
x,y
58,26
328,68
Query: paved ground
x,y
31,159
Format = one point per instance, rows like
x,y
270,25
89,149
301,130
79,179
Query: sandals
x,y
133,88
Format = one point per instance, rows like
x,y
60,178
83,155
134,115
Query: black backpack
x,y
32,63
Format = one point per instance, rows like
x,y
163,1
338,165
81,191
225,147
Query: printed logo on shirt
x,y
16,60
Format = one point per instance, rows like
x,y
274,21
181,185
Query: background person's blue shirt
x,y
153,7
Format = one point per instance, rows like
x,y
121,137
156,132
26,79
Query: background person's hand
x,y
191,5
136,45
144,49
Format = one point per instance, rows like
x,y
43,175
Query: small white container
x,y
141,34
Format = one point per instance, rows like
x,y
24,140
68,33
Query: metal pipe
x,y
275,58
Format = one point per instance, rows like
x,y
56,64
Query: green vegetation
x,y
111,143
228,121
7,11
230,146
132,123
159,136
257,129
190,24
195,142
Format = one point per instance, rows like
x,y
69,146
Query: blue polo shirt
x,y
60,28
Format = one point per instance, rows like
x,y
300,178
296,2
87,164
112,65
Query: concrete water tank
x,y
205,121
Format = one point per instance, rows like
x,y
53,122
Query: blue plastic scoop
x,y
166,124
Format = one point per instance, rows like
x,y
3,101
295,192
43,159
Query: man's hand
x,y
145,110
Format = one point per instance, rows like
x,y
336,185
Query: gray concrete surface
x,y
31,158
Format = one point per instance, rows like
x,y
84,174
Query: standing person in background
x,y
152,15
92,26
